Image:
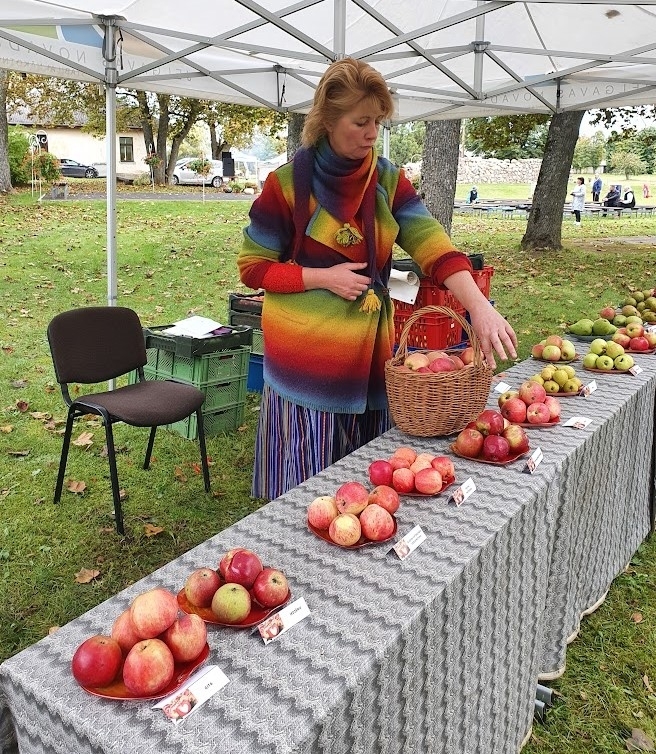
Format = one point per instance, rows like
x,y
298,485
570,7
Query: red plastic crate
x,y
431,295
431,331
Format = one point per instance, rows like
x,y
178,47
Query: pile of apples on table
x,y
431,362
492,438
354,512
146,641
531,404
407,471
554,348
607,356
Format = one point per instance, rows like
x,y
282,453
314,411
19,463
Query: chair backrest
x,y
96,343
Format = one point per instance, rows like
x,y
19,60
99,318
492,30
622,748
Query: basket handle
x,y
402,350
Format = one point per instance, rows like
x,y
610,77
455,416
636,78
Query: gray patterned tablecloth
x,y
437,653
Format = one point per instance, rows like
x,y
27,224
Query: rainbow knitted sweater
x,y
321,351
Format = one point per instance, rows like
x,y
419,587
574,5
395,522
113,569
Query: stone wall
x,y
477,170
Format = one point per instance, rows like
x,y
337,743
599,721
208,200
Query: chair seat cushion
x,y
147,404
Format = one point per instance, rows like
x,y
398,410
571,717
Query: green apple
x,y
567,350
624,362
598,346
614,349
634,318
619,320
551,353
551,387
638,296
590,360
573,385
604,362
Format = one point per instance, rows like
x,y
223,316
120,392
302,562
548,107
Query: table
x,y
437,653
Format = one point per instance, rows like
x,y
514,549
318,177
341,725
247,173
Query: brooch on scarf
x,y
348,236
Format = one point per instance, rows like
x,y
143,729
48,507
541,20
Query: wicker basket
x,y
429,405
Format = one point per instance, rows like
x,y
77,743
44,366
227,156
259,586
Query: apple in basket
x,y
148,668
97,661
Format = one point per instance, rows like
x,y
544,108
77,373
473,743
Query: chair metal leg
x,y
203,449
116,494
149,449
64,455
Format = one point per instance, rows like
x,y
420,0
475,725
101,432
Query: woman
x,y
578,202
320,243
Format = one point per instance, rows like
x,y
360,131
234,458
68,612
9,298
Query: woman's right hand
x,y
343,279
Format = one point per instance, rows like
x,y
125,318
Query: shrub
x,y
19,151
143,179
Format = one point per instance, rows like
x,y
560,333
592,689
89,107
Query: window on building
x,y
126,149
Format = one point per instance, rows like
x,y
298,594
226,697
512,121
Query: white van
x,y
182,174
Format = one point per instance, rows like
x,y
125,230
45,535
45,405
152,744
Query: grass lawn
x,y
177,258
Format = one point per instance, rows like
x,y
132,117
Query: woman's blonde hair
x,y
345,84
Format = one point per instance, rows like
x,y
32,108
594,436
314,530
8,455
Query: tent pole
x,y
109,53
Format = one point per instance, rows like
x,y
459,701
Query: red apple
x,y
458,362
536,350
537,413
443,364
608,312
405,452
97,661
651,338
639,344
517,438
377,523
352,497
507,396
436,355
124,632
553,404
321,511
200,586
240,566
532,392
514,410
428,481
622,338
231,603
496,448
385,496
489,422
467,355
424,370
148,668
380,472
445,466
397,462
635,330
271,588
186,638
153,612
553,340
421,463
345,530
403,480
469,443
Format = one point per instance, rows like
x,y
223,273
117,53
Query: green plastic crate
x,y
217,394
226,419
206,368
258,343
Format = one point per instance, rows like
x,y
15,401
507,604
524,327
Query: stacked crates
x,y
246,309
216,365
436,331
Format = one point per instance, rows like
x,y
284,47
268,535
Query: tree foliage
x,y
407,142
589,151
507,137
627,161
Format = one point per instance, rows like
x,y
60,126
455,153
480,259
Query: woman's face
x,y
355,133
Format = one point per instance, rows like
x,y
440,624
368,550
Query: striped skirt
x,y
294,443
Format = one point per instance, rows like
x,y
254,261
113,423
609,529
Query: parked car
x,y
182,174
75,169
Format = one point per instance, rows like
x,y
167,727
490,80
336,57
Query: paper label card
x,y
199,687
460,494
282,621
578,422
502,387
586,390
534,460
410,542
635,369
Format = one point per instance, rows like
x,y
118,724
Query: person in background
x,y
578,199
612,198
645,191
628,198
473,195
596,188
320,244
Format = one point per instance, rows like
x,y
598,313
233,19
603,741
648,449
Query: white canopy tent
x,y
442,58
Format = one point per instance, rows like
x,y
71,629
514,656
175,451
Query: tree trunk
x,y
146,118
439,168
5,176
544,227
159,173
177,140
295,123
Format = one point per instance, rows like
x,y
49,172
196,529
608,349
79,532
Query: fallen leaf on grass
x,y
53,630
18,453
152,530
645,680
76,487
85,575
84,440
639,741
636,617
41,415
6,429
22,406
7,349
20,383
179,474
